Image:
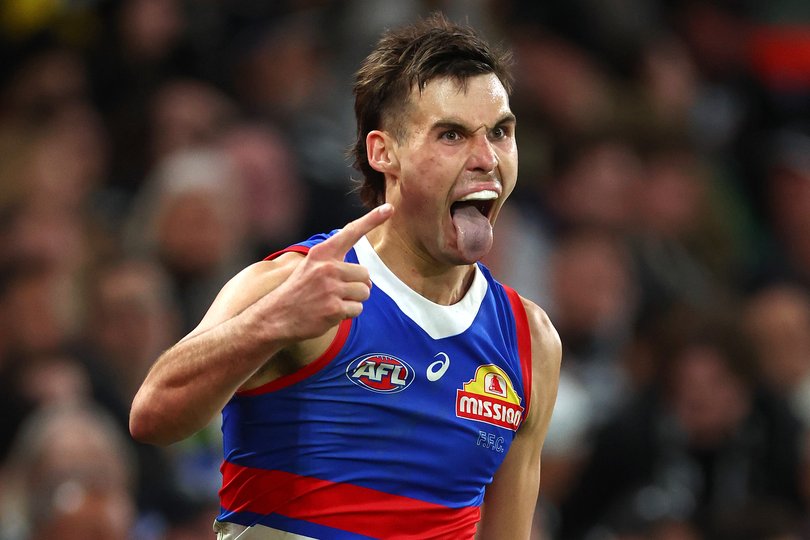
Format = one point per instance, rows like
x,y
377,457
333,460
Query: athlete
x,y
376,381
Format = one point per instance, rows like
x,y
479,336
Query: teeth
x,y
485,195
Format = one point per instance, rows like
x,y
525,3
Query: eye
x,y
451,135
499,133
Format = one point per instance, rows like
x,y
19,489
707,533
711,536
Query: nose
x,y
482,154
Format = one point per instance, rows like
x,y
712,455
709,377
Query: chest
x,y
456,385
394,408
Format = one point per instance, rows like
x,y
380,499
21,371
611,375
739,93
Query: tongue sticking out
x,y
474,231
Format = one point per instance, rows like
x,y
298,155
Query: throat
x,y
446,289
442,284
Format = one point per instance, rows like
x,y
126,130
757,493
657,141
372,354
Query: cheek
x,y
425,166
426,182
418,201
508,165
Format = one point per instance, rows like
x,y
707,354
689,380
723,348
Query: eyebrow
x,y
451,123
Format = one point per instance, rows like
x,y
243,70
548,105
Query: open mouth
x,y
483,201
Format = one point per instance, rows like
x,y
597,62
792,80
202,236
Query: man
x,y
392,411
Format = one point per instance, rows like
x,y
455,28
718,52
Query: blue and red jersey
x,y
397,429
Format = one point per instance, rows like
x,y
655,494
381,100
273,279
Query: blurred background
x,y
149,149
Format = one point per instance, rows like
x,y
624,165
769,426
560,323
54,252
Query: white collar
x,y
437,320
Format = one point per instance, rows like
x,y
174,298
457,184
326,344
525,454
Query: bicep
x,y
510,499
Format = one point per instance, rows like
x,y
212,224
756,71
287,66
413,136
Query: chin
x,y
457,258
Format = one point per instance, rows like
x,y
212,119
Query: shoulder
x,y
546,362
248,286
544,335
303,247
546,348
261,277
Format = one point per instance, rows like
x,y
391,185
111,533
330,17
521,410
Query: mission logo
x,y
381,373
490,398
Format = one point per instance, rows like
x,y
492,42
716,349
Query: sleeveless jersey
x,y
396,430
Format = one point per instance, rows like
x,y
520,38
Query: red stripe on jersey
x,y
524,343
308,370
292,249
345,507
314,366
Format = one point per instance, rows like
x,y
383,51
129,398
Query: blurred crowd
x,y
149,149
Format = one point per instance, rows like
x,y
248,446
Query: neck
x,y
440,283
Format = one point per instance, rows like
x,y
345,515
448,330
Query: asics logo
x,y
437,369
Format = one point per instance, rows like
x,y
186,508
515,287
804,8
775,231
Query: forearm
x,y
192,381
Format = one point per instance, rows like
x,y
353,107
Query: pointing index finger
x,y
341,242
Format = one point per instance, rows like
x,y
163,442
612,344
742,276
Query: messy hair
x,y
407,58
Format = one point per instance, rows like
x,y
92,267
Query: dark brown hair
x,y
410,57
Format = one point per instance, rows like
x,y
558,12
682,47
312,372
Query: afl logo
x,y
381,373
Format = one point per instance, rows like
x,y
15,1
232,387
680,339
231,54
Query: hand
x,y
323,289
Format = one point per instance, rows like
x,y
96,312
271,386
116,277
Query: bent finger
x,y
352,309
351,272
356,292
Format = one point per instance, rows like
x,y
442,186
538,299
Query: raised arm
x,y
510,500
267,307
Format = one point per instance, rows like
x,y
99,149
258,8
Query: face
x,y
453,168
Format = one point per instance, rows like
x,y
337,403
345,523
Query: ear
x,y
381,152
